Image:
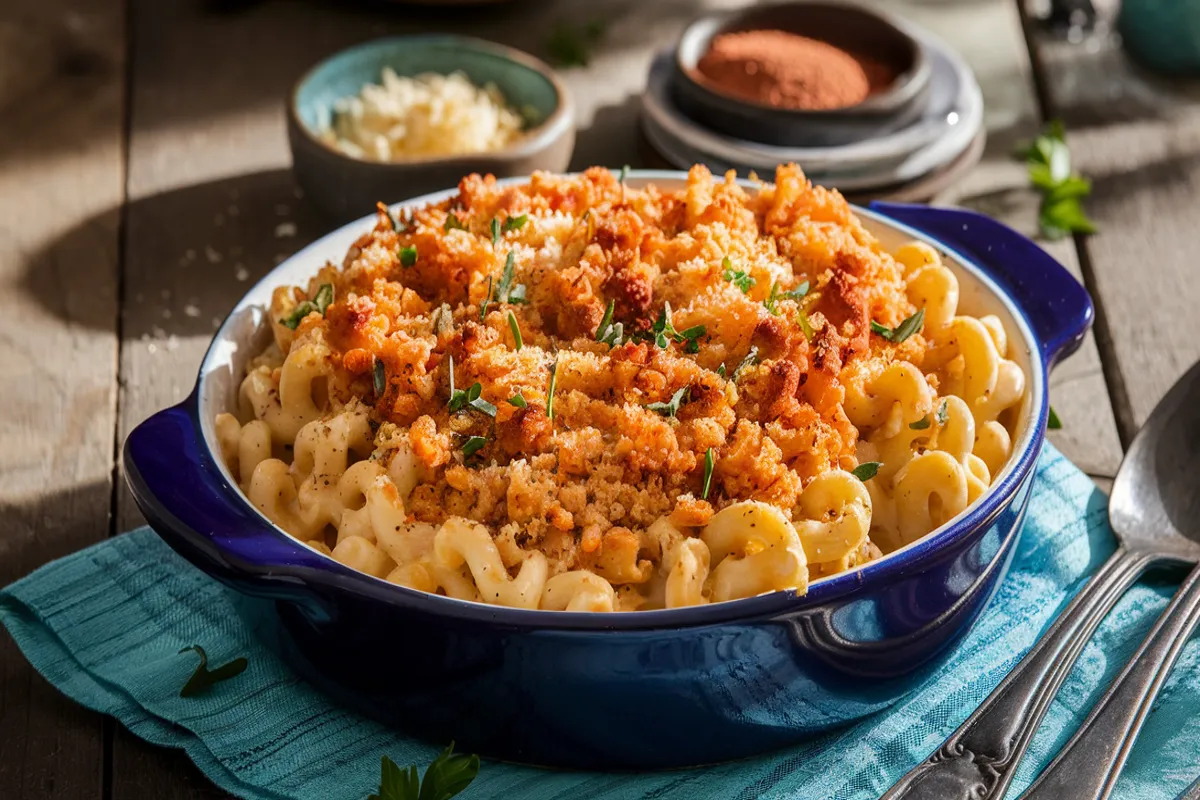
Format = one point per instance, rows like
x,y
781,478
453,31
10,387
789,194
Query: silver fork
x,y
1155,513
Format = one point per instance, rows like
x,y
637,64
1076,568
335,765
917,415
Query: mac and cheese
x,y
574,395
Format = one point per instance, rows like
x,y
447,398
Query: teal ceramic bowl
x,y
345,187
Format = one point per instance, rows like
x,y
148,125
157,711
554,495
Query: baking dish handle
x,y
1056,305
189,503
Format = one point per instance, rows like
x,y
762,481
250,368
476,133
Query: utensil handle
x,y
1058,308
979,759
1088,767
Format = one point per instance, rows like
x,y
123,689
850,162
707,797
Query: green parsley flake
x,y
902,331
318,304
776,295
453,223
672,408
495,231
739,278
943,413
473,445
1053,422
550,391
204,678
514,223
408,256
749,361
517,400
920,424
867,470
516,330
709,462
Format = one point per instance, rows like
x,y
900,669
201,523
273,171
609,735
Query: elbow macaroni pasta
x,y
349,439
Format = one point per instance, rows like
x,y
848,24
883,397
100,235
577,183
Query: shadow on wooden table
x,y
200,249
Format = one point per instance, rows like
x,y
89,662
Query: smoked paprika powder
x,y
786,70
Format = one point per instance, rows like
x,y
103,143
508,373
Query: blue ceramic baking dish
x,y
636,690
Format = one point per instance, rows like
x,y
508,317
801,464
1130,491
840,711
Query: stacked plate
x,y
913,162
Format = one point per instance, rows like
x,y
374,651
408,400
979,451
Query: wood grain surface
x,y
145,184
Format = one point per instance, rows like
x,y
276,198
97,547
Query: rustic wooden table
x,y
144,183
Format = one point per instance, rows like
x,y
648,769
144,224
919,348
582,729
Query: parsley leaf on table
x,y
446,776
1049,161
571,45
204,678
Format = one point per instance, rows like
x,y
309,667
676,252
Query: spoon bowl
x,y
1155,504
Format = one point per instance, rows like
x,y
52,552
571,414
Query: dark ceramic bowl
x,y
345,187
851,27
637,690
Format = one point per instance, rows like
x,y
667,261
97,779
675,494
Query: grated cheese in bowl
x,y
426,115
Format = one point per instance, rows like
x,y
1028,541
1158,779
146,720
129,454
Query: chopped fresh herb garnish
x,y
663,332
514,223
517,400
1053,422
458,398
691,337
204,678
447,776
473,445
672,408
487,299
505,291
920,424
749,361
571,45
550,391
805,325
380,378
398,223
453,223
495,230
709,462
324,297
775,296
902,331
721,370
1049,162
408,256
609,333
739,278
478,403
624,174
516,330
865,471
471,396
943,413
303,309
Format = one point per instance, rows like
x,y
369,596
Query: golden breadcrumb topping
x,y
742,316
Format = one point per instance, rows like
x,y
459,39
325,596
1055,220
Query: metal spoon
x,y
1154,504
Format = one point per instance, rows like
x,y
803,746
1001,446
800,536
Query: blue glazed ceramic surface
x,y
638,690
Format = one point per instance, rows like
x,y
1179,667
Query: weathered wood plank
x,y
61,185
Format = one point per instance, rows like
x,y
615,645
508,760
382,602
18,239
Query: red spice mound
x,y
786,70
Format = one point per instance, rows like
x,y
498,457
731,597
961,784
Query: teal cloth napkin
x,y
105,626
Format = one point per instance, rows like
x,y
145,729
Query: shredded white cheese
x,y
427,115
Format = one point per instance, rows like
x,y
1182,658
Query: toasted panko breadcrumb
x,y
713,352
